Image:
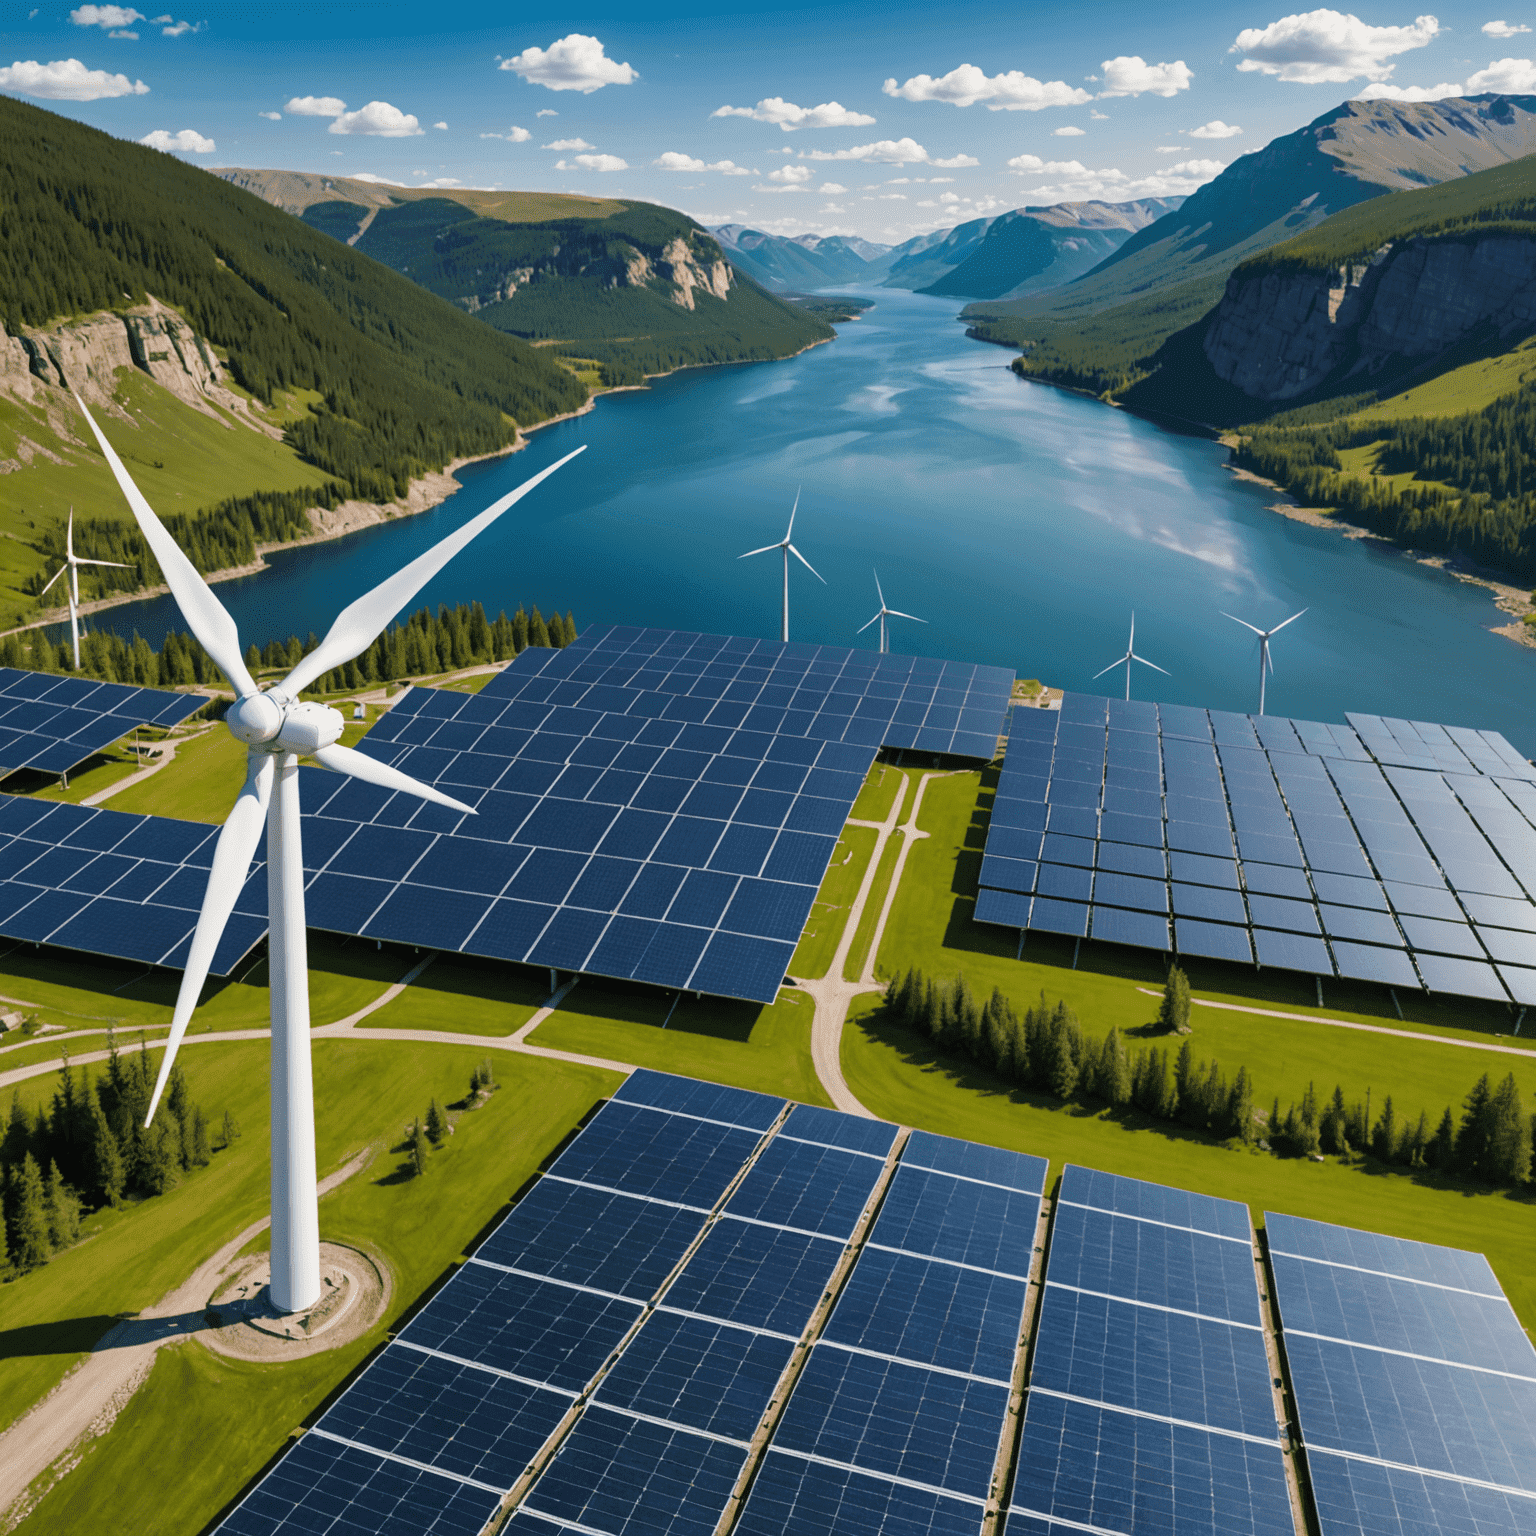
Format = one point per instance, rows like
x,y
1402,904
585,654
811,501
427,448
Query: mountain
x,y
796,265
930,258
630,287
1032,249
1093,331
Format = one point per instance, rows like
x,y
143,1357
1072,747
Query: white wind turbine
x,y
71,566
1266,661
884,614
277,730
789,549
1128,658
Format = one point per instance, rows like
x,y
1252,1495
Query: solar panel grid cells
x,y
793,1496
1361,1498
53,723
807,1187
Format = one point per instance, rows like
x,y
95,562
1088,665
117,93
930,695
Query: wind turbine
x,y
789,549
884,614
277,729
1266,662
1128,658
72,564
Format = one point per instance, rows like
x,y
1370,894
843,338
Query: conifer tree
x,y
1384,1137
5,1251
437,1124
1239,1106
1441,1151
538,632
1472,1138
1508,1153
108,1174
63,1210
1114,1085
1173,1012
1410,1151
200,1152
30,1245
229,1131
18,1131
1184,1077
419,1149
1308,1141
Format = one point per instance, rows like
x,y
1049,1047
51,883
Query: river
x,y
1025,524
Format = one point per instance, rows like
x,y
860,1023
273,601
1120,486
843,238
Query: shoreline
x,y
425,492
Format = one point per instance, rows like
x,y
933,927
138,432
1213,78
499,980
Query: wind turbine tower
x,y
884,614
277,729
71,567
788,550
1266,661
1130,656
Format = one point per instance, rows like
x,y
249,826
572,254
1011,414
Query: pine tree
x,y
1472,1138
419,1149
18,1132
1173,1012
1508,1154
5,1252
30,1243
1441,1151
160,1155
437,1124
1239,1107
967,1017
63,1210
108,1174
933,1012
1184,1076
200,1151
1114,1085
1410,1149
229,1131
538,632
1384,1137
1063,1055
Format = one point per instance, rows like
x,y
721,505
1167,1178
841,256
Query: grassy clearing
x,y
768,1049
878,794
858,954
1468,388
462,995
201,784
829,913
899,1076
366,1092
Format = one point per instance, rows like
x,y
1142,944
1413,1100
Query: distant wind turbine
x,y
1266,661
789,549
1130,656
277,729
884,614
71,567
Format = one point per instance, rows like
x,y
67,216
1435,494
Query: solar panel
x,y
794,1495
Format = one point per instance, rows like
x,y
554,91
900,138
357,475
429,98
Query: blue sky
x,y
878,121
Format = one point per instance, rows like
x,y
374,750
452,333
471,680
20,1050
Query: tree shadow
x,y
718,1018
67,1336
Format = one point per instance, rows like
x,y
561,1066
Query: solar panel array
x,y
896,1420
1380,851
51,723
1150,1369
1415,1384
653,806
116,884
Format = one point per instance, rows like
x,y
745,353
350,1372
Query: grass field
x,y
829,913
878,794
217,1422
462,995
864,935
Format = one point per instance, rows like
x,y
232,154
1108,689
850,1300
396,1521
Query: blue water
x,y
1023,523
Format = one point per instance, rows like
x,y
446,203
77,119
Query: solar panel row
x,y
895,1420
51,723
1149,1357
1277,842
1415,1384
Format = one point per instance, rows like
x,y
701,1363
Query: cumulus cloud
x,y
66,80
673,161
1503,75
573,63
107,17
892,152
568,144
440,125
378,120
1381,91
791,175
546,112
593,163
1328,47
1215,129
831,189
513,135
1133,76
178,28
774,109
315,106
1503,28
1076,181
271,117
442,181
187,142
1172,149
1068,133
965,85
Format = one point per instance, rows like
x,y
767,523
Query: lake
x,y
1025,524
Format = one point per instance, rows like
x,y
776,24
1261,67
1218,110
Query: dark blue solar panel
x,y
1051,916
1154,1202
793,1496
966,1223
1292,952
760,1276
1364,962
812,1188
454,1417
1377,1252
1362,1498
1209,903
831,1128
323,1486
1213,940
708,1101
78,717
972,1160
1002,907
1114,925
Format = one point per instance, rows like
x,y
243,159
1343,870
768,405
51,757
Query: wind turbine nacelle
x,y
308,727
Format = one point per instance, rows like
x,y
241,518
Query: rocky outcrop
x,y
1281,334
686,272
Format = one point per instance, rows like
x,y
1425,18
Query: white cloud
x,y
892,152
729,168
546,112
1172,149
673,161
178,28
442,181
1132,75
774,109
568,144
516,135
831,189
1379,91
106,16
66,80
187,142
1215,129
1078,182
832,208
593,163
315,106
1503,75
440,125
381,181
1503,29
574,63
965,85
132,37
378,120
791,175
1099,117
1068,133
271,117
1327,47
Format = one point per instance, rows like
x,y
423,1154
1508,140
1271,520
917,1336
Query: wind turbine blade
x,y
206,616
766,549
61,570
806,563
69,536
789,532
356,765
1243,622
877,589
1143,660
862,627
895,615
1278,627
116,565
232,855
359,623
1110,668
